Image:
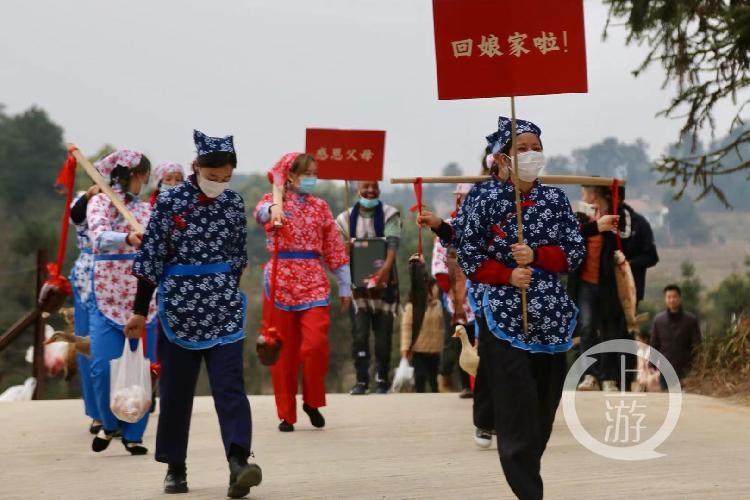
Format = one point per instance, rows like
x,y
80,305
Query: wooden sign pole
x,y
105,187
519,211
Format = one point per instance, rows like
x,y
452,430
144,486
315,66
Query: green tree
x,y
730,300
608,158
704,47
31,148
612,158
452,168
692,287
734,186
31,153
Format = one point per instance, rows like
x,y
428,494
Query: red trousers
x,y
304,337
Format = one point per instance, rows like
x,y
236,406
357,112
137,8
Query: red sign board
x,y
351,155
492,48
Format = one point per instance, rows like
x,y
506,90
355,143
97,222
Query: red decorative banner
x,y
491,48
350,155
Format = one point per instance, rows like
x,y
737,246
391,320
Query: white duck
x,y
469,359
20,392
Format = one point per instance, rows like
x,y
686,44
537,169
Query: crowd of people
x,y
175,287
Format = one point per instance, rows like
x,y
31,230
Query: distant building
x,y
654,211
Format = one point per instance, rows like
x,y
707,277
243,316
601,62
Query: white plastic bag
x,y
403,379
130,384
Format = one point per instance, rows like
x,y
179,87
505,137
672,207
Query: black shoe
x,y
466,394
94,428
382,388
176,479
285,426
134,447
101,440
359,389
316,418
242,477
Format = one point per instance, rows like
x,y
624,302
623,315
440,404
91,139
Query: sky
x,y
142,74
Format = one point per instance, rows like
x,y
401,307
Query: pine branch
x,y
704,47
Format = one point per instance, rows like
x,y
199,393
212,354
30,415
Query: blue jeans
x,y
599,323
588,320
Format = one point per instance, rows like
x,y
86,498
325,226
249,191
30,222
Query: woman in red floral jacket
x,y
304,229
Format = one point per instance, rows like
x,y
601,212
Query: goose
x,y
80,345
75,344
469,359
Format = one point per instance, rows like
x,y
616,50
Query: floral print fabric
x,y
80,274
309,227
114,287
199,306
485,228
125,157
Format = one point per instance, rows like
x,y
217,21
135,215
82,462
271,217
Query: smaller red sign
x,y
350,155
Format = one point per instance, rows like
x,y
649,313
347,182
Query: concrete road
x,y
395,446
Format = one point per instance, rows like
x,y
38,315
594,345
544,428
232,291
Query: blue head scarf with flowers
x,y
205,144
499,140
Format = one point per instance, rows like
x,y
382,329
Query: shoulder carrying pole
x,y
576,180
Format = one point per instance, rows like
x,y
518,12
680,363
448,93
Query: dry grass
x,y
722,368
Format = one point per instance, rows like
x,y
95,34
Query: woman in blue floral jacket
x,y
523,369
194,250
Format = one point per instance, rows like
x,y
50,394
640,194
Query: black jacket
x,y
676,336
637,245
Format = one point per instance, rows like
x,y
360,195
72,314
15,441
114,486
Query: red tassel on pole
x,y
268,346
616,209
418,208
57,287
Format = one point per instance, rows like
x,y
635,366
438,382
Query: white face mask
x,y
212,189
530,163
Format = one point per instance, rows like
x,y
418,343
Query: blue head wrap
x,y
205,144
500,139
